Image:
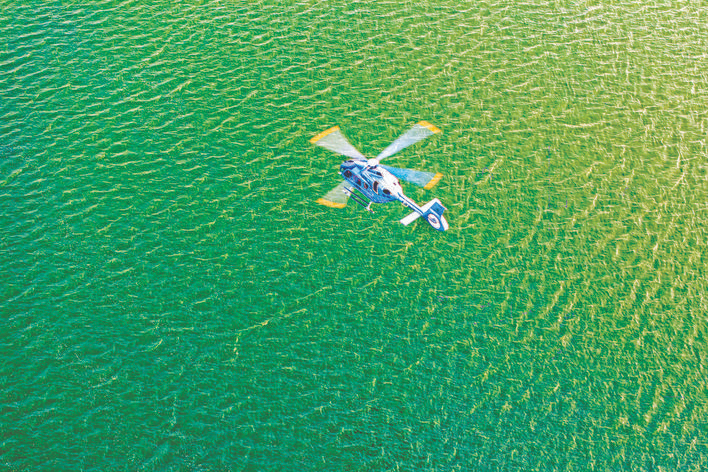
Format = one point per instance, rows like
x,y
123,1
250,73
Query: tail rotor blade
x,y
418,132
334,140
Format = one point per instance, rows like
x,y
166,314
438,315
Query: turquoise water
x,y
173,298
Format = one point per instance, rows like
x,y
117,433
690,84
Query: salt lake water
x,y
173,298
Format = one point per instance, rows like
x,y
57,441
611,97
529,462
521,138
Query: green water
x,y
173,299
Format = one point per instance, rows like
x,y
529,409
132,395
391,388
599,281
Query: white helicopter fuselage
x,y
374,182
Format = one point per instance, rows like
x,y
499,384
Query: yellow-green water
x,y
173,299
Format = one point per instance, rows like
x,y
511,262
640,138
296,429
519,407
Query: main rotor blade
x,y
420,131
427,180
334,140
335,198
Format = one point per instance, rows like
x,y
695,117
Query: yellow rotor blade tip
x,y
433,181
431,127
327,203
323,134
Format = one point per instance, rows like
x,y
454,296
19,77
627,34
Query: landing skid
x,y
358,199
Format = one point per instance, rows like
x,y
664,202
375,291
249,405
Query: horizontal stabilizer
x,y
410,218
415,215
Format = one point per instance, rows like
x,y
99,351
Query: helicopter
x,y
379,183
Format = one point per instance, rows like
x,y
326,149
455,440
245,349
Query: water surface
x,y
174,300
